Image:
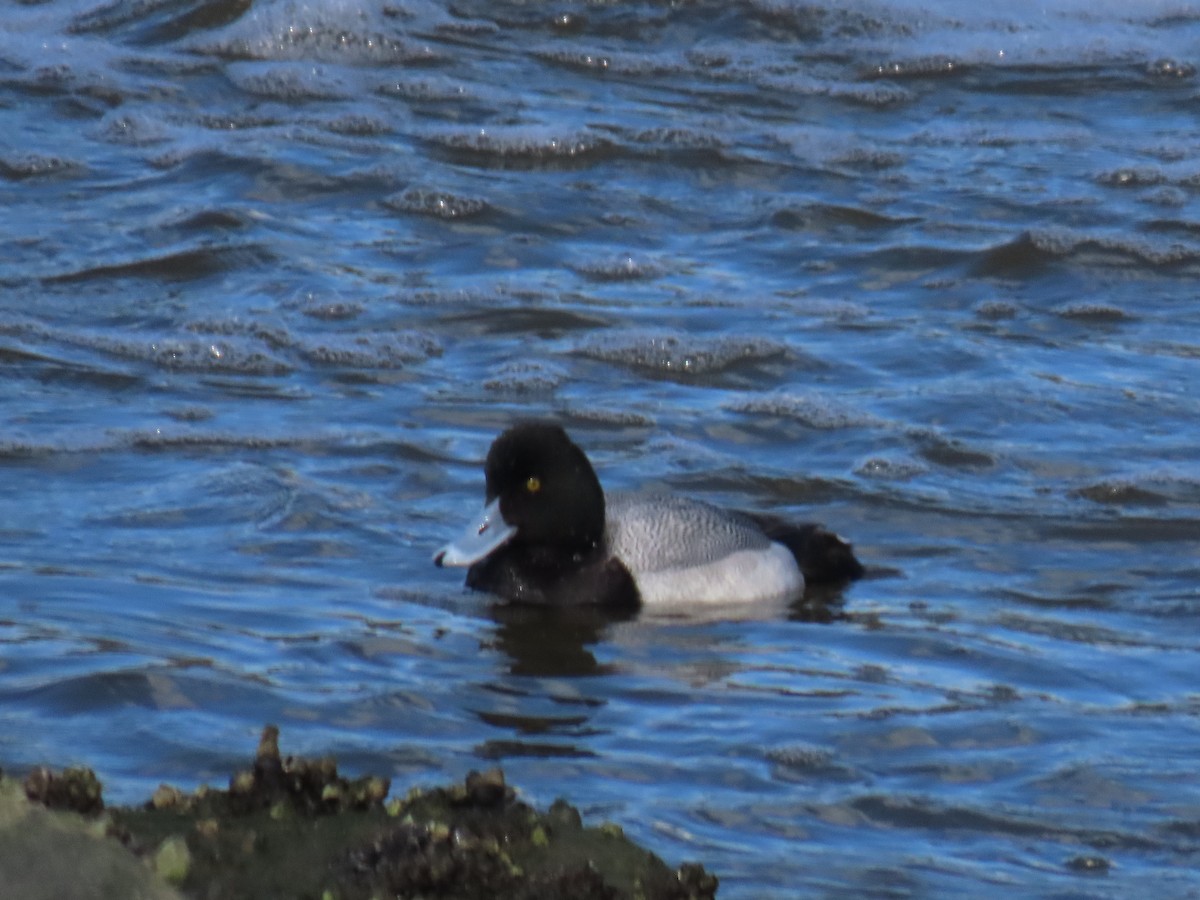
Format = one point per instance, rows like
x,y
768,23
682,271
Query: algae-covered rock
x,y
77,790
49,855
477,840
294,827
309,786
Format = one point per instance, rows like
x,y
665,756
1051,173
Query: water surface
x,y
275,274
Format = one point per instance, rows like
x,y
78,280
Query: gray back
x,y
653,532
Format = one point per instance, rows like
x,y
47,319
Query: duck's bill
x,y
486,534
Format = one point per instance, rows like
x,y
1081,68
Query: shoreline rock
x,y
292,827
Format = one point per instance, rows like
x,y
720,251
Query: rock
x,y
292,826
48,855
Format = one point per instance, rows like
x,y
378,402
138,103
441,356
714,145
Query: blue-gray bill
x,y
482,537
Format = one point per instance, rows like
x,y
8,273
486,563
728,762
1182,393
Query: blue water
x,y
274,275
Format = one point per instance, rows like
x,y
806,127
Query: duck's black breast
x,y
546,576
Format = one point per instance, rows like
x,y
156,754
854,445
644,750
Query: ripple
x,y
523,145
133,129
1117,250
499,316
1121,493
24,166
823,216
525,377
507,749
232,351
288,82
357,124
180,265
1092,865
879,95
332,310
996,310
948,452
890,468
437,204
15,448
681,357
275,336
344,33
1143,177
432,89
679,143
1069,631
150,689
624,268
388,351
869,159
154,23
1021,256
633,65
1033,249
919,67
159,440
593,415
913,812
1093,312
209,220
239,494
1170,69
811,410
579,60
803,763
232,355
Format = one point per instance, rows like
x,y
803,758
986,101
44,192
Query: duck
x,y
549,535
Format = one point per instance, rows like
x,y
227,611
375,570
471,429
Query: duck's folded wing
x,y
656,532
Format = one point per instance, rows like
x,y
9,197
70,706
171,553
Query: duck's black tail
x,y
823,557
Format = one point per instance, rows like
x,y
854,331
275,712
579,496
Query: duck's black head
x,y
540,536
548,491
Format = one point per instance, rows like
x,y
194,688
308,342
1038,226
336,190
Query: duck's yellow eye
x,y
534,484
